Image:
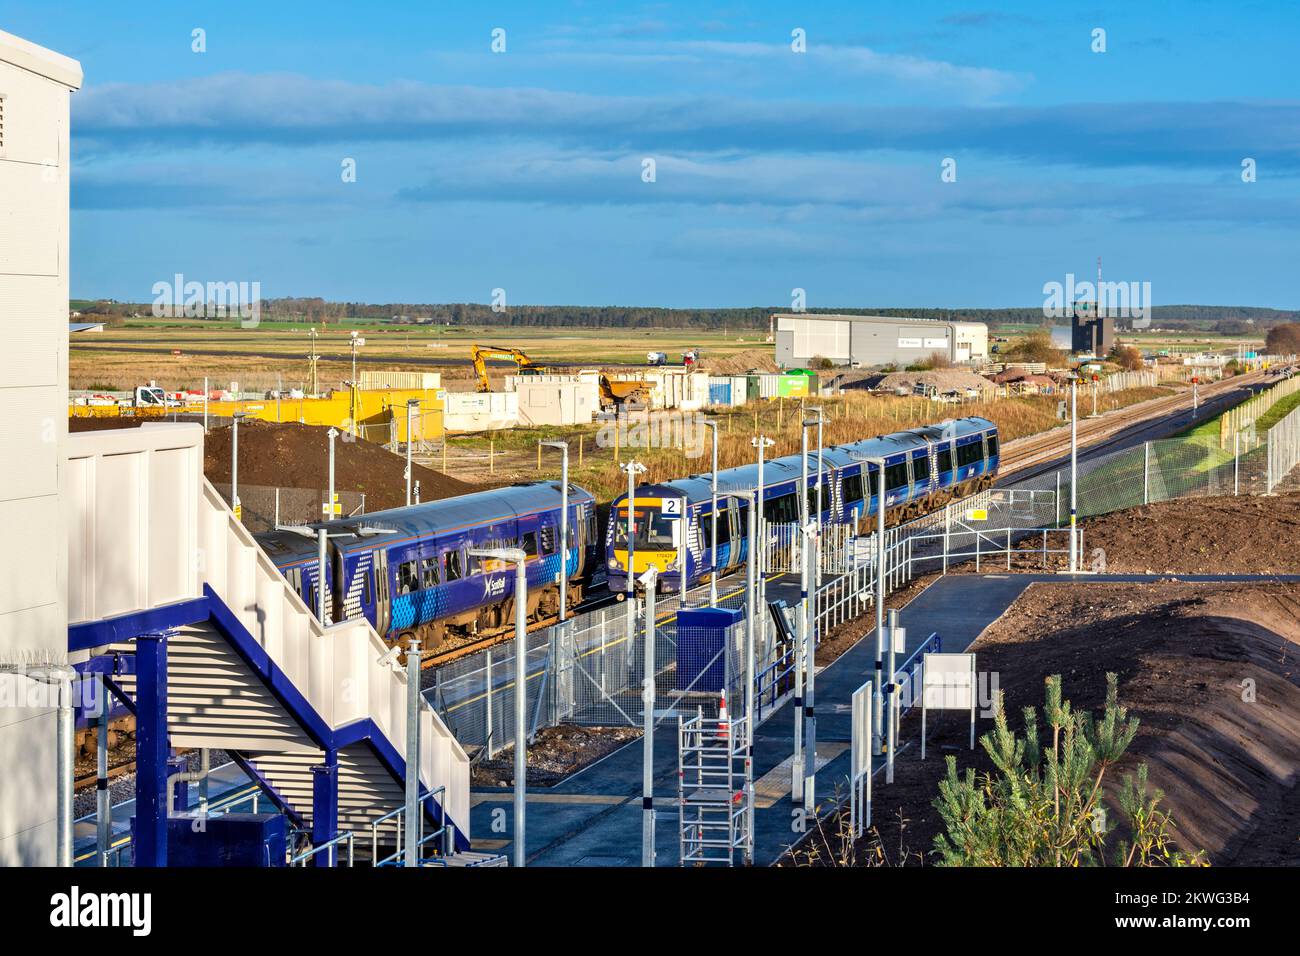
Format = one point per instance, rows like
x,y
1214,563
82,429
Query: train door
x,y
383,608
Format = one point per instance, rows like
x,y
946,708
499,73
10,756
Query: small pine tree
x,y
1044,806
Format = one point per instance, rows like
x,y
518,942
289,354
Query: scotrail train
x,y
408,570
924,469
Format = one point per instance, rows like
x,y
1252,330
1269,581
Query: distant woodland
x,y
1227,320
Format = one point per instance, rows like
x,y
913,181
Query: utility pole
x,y
311,361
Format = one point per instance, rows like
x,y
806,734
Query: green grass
x,y
1277,412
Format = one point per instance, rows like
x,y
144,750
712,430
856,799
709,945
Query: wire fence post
x,y
1146,473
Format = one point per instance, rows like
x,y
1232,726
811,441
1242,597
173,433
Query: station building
x,y
869,340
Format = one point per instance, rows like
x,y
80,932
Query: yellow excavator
x,y
480,354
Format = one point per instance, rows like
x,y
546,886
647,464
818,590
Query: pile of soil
x,y
1212,673
944,380
738,363
1221,535
556,753
291,455
78,423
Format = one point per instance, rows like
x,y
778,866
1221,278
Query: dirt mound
x,y
291,455
1210,671
1223,535
944,380
738,363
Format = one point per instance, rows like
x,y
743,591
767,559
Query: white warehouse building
x,y
869,340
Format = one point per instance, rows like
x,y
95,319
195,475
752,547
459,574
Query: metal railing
x,y
301,859
443,834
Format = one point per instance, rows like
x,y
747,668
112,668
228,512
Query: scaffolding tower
x,y
715,789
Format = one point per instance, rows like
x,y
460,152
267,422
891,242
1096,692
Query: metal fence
x,y
1283,449
265,507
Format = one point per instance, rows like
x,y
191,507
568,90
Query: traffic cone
x,y
724,721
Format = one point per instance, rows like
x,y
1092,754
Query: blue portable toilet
x,y
701,643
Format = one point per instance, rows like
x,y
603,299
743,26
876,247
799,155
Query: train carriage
x,y
409,572
672,521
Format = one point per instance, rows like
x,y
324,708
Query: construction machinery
x,y
615,392
481,354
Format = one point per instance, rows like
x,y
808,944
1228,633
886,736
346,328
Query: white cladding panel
x,y
33,434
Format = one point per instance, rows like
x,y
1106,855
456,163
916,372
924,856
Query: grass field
x,y
282,350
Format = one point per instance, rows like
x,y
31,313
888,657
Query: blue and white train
x,y
408,570
924,469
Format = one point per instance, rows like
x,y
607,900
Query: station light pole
x,y
633,468
648,723
712,423
751,625
563,446
329,503
761,442
357,342
1074,472
234,466
517,557
879,599
411,405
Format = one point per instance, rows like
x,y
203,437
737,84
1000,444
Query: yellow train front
x,y
664,530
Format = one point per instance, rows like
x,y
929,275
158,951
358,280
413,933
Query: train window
x,y
921,467
853,488
530,543
782,509
429,571
451,566
406,578
724,526
548,539
896,476
969,453
366,593
945,458
993,446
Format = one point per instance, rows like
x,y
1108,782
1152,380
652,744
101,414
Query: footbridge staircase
x,y
209,646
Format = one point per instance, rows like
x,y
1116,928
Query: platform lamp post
x,y
411,405
712,423
357,342
332,434
762,443
633,468
563,446
518,558
1074,471
648,723
234,466
877,702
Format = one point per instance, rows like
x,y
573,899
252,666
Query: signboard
x,y
977,514
936,343
672,509
331,509
911,343
948,683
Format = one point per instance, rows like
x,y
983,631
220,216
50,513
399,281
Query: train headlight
x,y
613,563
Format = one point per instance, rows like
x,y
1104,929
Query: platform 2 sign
x,y
672,509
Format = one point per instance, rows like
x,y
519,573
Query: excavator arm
x,y
480,354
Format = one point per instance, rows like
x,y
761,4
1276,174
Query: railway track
x,y
1036,454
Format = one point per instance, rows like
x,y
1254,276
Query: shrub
x,y
1044,806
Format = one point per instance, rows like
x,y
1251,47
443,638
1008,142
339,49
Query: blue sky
x,y
774,169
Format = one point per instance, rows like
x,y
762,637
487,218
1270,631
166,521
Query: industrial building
x,y
870,340
1091,333
35,90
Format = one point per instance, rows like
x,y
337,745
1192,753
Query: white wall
x,y
35,85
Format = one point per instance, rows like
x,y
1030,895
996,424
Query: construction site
x,y
852,589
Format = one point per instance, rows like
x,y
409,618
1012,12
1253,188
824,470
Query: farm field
x,y
142,350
